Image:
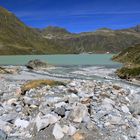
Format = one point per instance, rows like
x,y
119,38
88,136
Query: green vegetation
x,y
131,58
17,38
38,83
130,55
129,73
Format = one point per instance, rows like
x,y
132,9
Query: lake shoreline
x,y
44,103
83,59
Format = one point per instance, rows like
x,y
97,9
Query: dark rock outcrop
x,y
36,64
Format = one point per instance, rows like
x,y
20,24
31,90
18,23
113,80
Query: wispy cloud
x,y
78,13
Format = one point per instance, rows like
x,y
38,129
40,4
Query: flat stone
x,y
115,120
108,101
107,106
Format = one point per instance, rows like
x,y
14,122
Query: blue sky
x,y
76,15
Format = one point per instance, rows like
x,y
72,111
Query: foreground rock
x,y
79,110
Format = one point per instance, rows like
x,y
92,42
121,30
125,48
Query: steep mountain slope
x,y
130,55
17,38
131,58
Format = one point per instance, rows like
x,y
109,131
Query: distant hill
x,y
55,30
17,38
136,28
101,41
131,58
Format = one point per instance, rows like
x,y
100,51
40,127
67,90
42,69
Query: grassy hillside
x,y
17,38
131,58
130,55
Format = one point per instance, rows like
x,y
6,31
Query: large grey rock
x,y
36,64
78,113
58,131
43,121
60,111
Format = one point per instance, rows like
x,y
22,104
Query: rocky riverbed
x,y
76,110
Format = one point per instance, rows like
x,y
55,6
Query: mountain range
x,y
18,38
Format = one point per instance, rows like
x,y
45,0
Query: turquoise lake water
x,y
81,59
